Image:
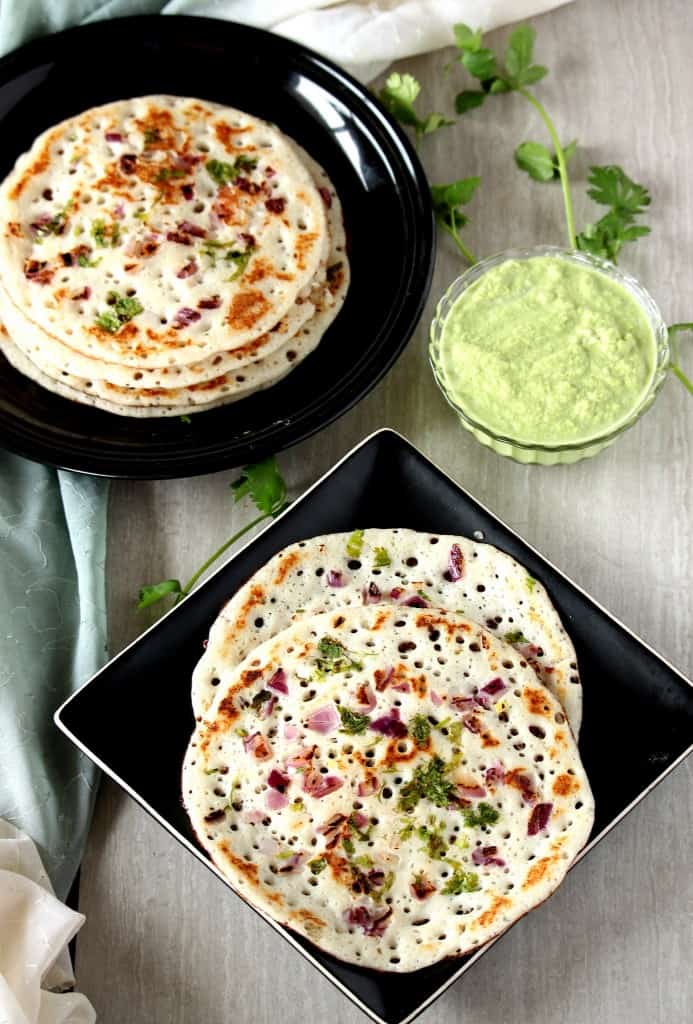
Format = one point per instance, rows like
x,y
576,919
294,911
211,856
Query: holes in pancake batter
x,y
354,563
574,679
411,561
507,664
536,730
434,540
406,645
474,647
320,572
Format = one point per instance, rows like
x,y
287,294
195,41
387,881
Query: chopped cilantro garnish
x,y
297,805
433,839
461,881
363,836
223,173
122,308
317,865
455,732
185,419
482,814
382,559
260,698
354,544
240,261
151,135
334,657
407,829
352,722
348,845
170,172
105,234
364,861
84,261
420,730
429,781
515,636
530,583
424,595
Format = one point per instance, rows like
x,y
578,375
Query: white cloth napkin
x,y
35,929
365,36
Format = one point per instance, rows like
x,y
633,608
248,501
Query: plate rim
x,y
199,854
71,457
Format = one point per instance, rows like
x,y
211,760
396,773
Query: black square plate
x,y
620,674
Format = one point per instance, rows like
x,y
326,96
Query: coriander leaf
x,y
420,730
185,419
223,173
467,38
461,881
240,261
354,544
480,64
515,636
534,74
447,200
536,160
154,592
428,781
518,52
530,583
399,95
348,845
381,558
353,723
260,698
263,482
483,814
498,86
611,186
334,657
434,841
317,865
469,99
122,309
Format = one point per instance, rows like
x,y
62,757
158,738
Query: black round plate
x,y
387,212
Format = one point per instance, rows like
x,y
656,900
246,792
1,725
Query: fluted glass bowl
x,y
566,452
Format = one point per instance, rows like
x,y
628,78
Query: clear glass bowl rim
x,y
622,277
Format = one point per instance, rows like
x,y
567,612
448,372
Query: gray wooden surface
x,y
164,942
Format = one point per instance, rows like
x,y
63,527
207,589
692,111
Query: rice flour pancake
x,y
404,567
392,783
50,354
163,202
225,387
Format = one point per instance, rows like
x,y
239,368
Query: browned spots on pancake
x,y
538,872
255,599
304,243
227,710
251,675
564,785
394,756
535,701
380,620
244,867
339,867
261,268
126,333
335,277
559,738
209,385
311,922
223,133
246,309
286,564
39,165
14,229
159,127
498,904
431,620
488,740
229,206
419,686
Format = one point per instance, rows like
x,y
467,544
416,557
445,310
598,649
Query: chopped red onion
x,y
396,593
324,720
485,856
213,303
490,691
185,316
366,698
119,211
472,792
416,602
496,773
267,707
128,162
421,888
253,817
402,687
84,294
371,594
113,137
368,787
464,703
290,732
372,922
291,863
472,723
188,228
302,759
326,197
188,191
455,564
275,800
318,785
524,784
436,699
277,780
360,821
335,579
278,682
276,205
188,270
257,746
539,818
390,724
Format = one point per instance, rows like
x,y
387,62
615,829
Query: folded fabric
x,y
52,638
366,36
34,931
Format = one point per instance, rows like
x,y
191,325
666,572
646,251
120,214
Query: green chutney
x,y
545,351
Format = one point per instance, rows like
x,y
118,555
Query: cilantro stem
x,y
672,331
217,554
460,244
560,158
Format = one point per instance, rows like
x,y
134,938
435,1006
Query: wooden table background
x,y
164,943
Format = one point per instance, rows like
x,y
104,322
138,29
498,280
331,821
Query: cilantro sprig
x,y
223,173
121,309
447,203
611,186
263,483
399,96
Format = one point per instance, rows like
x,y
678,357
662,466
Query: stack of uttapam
x,y
164,255
385,756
